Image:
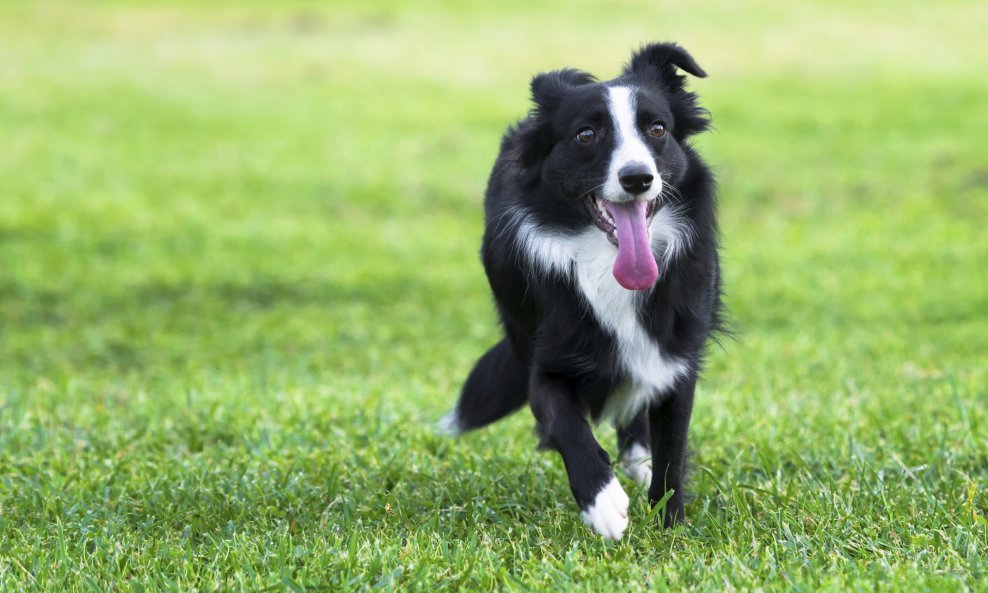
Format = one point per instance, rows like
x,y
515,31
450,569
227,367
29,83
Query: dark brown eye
x,y
586,135
656,129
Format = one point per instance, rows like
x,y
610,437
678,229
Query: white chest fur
x,y
589,257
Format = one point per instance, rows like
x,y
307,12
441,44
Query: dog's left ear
x,y
658,62
662,59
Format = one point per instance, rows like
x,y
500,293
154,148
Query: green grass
x,y
239,282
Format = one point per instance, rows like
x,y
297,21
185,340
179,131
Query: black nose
x,y
635,177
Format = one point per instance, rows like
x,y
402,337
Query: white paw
x,y
637,464
608,515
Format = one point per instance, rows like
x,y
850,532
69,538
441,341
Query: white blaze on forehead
x,y
628,145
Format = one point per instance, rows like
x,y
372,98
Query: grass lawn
x,y
239,283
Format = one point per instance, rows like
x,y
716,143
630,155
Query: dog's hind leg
x,y
634,449
497,386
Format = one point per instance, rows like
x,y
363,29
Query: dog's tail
x,y
497,386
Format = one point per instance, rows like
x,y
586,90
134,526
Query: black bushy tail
x,y
497,386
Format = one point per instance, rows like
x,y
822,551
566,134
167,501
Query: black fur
x,y
556,355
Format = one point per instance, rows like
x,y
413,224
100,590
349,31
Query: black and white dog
x,y
601,250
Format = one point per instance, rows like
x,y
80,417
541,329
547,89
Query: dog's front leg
x,y
669,420
603,503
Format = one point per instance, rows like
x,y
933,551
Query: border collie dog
x,y
601,250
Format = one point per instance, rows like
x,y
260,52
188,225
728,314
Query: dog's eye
x,y
656,129
586,135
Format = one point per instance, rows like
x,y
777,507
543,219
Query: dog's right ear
x,y
549,87
532,141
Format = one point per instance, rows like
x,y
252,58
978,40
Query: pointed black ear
x,y
549,87
663,58
658,63
527,145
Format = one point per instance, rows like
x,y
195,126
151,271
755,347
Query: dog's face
x,y
610,154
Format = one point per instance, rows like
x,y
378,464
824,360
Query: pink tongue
x,y
634,267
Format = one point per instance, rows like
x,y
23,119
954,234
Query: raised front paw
x,y
608,513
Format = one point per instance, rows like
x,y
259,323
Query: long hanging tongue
x,y
634,267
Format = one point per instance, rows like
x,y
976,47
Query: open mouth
x,y
626,225
603,219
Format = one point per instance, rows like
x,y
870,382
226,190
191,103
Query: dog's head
x,y
610,153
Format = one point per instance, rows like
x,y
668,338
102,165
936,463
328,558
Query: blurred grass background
x,y
239,281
